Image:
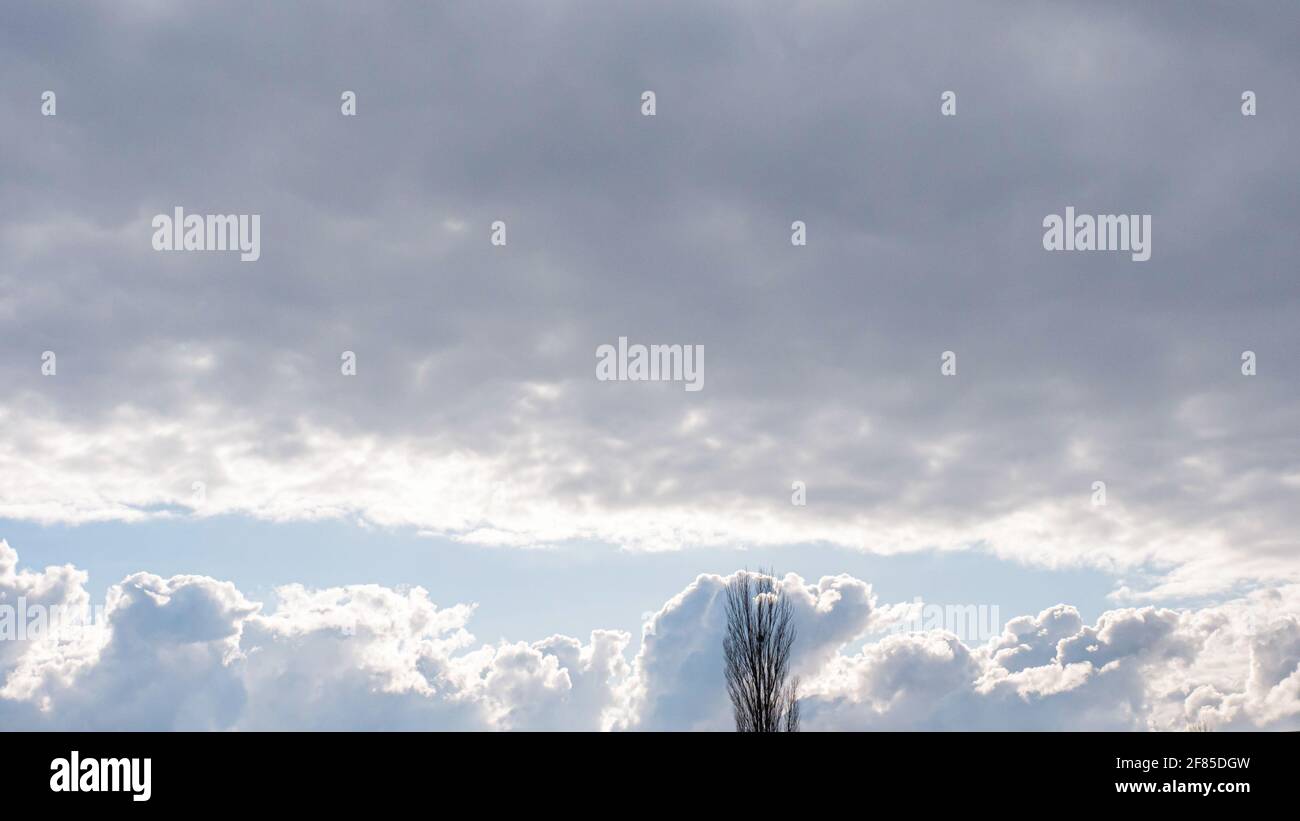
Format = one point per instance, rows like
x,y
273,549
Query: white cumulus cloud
x,y
191,652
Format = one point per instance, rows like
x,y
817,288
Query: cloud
x,y
475,413
682,648
191,652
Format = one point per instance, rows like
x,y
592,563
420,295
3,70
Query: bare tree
x,y
756,649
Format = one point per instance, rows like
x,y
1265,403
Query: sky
x,y
474,531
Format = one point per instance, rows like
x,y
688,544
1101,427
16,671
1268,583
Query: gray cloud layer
x,y
475,411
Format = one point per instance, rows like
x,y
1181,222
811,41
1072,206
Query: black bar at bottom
x,y
675,772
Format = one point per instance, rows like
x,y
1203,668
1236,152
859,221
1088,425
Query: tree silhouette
x,y
756,651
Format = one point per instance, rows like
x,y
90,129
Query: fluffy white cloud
x,y
193,652
676,680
